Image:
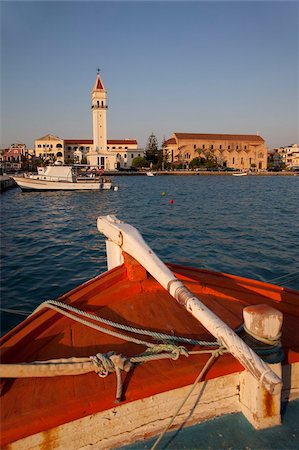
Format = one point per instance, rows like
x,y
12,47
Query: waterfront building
x,y
289,155
109,154
50,148
13,158
237,151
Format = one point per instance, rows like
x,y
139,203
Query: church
x,y
109,154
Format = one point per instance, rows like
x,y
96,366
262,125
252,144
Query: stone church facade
x,y
236,151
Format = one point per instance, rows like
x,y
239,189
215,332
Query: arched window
x,y
58,146
59,154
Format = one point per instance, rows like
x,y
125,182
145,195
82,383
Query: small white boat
x,y
151,174
63,178
240,174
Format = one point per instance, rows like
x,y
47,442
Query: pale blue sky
x,y
205,67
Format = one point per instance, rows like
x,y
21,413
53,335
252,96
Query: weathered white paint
x,y
263,321
145,418
140,419
130,241
114,255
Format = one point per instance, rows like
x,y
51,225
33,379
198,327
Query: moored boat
x,y
63,178
151,174
170,331
240,174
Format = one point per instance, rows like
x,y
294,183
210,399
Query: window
x,y
237,147
69,156
132,155
261,155
220,147
125,155
107,148
69,148
194,146
59,154
233,160
212,147
228,147
203,146
126,148
245,147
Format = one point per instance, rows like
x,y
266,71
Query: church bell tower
x,y
99,117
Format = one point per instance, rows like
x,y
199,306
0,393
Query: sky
x,y
199,67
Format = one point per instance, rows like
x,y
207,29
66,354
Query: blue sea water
x,y
247,226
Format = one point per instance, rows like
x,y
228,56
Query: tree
x,y
139,161
195,162
151,150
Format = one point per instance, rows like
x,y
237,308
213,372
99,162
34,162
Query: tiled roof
x,y
223,137
78,141
49,137
170,141
90,141
122,141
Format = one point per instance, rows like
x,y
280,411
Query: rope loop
x,y
175,351
110,362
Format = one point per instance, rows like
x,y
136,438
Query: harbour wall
x,y
6,183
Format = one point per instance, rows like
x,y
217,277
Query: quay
x,y
200,172
6,183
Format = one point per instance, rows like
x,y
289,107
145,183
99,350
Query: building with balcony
x,y
237,151
289,155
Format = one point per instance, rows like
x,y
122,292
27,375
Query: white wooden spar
x,y
129,240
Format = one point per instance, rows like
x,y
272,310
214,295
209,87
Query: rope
x,y
154,334
213,356
275,341
285,278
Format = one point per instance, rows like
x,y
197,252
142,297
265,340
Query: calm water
x,y
246,226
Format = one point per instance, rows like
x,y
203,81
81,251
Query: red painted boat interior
x,y
129,296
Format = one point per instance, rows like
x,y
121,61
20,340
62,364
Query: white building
x,y
109,154
289,155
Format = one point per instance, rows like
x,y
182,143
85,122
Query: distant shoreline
x,y
200,173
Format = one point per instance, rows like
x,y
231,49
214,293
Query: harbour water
x,y
247,226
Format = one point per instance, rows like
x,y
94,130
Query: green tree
x,y
151,150
195,162
139,161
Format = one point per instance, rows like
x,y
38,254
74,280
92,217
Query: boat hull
x,y
56,407
30,184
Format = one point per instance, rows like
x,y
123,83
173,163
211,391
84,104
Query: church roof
x,y
223,137
170,141
98,86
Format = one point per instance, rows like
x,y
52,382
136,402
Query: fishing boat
x,y
145,347
63,178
